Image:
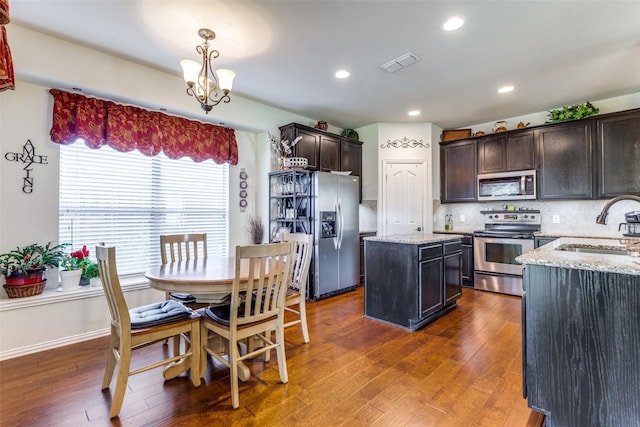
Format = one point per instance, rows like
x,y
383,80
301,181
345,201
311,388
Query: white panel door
x,y
403,194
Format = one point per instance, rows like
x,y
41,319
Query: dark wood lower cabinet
x,y
362,236
410,285
430,289
541,241
452,272
467,260
581,346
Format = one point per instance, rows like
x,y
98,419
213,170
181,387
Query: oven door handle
x,y
510,236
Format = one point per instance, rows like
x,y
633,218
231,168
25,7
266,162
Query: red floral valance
x,y
126,128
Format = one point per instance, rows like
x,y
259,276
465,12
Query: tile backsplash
x,y
575,218
368,211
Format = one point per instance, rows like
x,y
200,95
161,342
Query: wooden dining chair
x,y
182,247
256,308
297,290
151,324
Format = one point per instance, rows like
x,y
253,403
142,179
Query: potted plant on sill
x,y
25,268
88,273
75,267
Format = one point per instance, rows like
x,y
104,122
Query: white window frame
x,y
128,200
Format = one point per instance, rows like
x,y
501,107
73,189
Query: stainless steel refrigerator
x,y
336,258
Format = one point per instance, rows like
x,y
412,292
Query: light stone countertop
x,y
455,231
416,239
547,255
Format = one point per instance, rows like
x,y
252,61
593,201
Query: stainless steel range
x,y
507,234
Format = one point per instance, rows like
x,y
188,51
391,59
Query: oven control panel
x,y
505,217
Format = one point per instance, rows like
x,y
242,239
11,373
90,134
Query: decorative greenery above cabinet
x,y
597,157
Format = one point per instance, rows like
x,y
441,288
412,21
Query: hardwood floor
x,y
462,370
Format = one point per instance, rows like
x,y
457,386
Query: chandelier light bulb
x,y
190,70
225,78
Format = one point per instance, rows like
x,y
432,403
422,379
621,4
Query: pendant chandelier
x,y
208,87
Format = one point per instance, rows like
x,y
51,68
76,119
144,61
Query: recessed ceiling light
x,y
414,113
505,89
453,23
342,74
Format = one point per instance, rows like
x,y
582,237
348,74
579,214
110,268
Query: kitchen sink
x,y
604,250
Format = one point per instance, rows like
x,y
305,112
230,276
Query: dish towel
x,y
158,313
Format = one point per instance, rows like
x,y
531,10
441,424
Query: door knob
x,y
419,229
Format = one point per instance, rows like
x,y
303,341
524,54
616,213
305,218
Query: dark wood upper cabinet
x,y
308,147
325,151
329,153
618,155
458,171
521,151
596,157
351,159
565,159
509,152
492,154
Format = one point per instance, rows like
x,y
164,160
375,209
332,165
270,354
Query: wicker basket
x,y
295,162
25,290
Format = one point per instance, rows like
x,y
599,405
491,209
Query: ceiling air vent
x,y
400,62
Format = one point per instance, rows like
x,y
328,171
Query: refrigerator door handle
x,y
341,226
336,238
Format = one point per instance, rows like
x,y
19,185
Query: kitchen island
x,y
581,332
412,279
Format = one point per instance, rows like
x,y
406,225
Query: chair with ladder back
x,y
140,327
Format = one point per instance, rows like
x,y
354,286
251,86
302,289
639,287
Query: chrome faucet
x,y
602,218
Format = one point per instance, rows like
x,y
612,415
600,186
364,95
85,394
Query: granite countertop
x,y
416,239
454,231
584,236
367,231
548,255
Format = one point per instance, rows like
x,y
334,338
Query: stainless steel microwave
x,y
518,185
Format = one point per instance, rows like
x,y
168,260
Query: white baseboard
x,y
23,351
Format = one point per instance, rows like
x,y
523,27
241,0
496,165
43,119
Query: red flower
x,y
81,254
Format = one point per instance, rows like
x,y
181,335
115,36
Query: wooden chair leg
x,y
176,345
303,321
121,381
204,357
196,350
233,362
111,362
267,354
282,360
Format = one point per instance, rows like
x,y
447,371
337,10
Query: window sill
x,y
53,296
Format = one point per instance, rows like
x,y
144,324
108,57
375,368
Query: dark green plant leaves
x,y
573,112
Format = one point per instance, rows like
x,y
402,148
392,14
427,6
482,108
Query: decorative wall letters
x,y
28,158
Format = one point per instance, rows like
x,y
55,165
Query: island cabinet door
x,y
452,277
431,280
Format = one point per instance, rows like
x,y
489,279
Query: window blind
x,y
128,200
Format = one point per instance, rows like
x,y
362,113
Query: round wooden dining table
x,y
209,280
210,276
